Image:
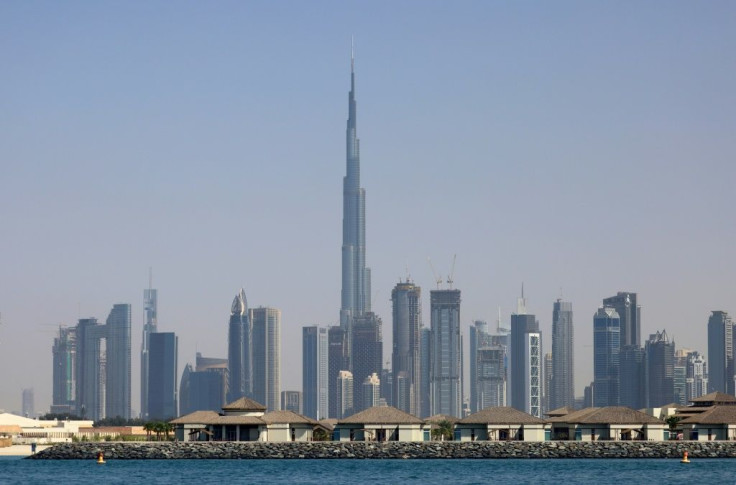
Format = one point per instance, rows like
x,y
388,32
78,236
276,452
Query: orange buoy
x,y
100,458
684,458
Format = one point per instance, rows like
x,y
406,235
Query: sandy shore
x,y
20,450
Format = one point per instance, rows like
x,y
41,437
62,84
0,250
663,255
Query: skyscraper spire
x,y
356,286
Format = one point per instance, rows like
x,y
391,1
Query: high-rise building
x,y
117,394
477,337
387,386
315,372
696,380
632,384
239,350
162,376
425,368
29,409
344,394
525,363
150,321
562,384
547,373
64,360
680,377
291,401
660,372
337,361
488,355
103,366
266,361
588,396
203,389
720,353
446,374
406,300
90,379
629,313
606,347
356,277
367,353
491,376
371,394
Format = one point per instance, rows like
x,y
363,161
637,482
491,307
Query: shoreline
x,y
21,450
386,450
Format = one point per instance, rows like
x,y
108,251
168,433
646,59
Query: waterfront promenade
x,y
389,450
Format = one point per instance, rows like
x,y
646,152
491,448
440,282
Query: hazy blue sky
x,y
583,148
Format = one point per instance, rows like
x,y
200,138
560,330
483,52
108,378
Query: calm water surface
x,y
324,472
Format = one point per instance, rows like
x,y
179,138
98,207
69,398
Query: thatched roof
x,y
244,404
565,410
606,415
714,415
211,417
501,415
327,423
381,415
286,417
714,398
438,418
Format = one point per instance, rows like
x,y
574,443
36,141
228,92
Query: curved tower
x,y
239,349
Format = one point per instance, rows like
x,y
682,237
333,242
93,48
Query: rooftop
x,y
381,415
501,415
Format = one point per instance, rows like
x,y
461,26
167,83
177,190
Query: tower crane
x,y
437,278
452,272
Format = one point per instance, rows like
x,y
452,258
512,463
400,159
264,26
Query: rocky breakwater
x,y
390,450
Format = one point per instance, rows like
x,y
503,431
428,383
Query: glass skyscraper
x,y
446,372
150,321
266,361
162,376
562,390
356,278
239,350
606,346
314,372
406,300
720,353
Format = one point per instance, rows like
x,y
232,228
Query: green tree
x,y
672,422
320,434
442,431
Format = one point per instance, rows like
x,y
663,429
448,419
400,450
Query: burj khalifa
x,y
356,278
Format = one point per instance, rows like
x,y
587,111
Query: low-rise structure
x,y
607,423
41,430
710,417
243,420
381,423
500,424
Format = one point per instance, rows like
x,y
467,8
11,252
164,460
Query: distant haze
x,y
582,148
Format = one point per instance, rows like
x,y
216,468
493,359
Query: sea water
x,y
325,472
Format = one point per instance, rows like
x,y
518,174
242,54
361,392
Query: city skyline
x,y
634,133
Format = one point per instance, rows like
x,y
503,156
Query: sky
x,y
580,148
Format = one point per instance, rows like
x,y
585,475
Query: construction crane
x,y
437,278
452,272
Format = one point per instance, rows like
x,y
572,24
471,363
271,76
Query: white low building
x,y
381,423
611,423
42,431
500,424
243,420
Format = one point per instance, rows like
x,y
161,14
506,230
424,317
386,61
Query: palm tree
x,y
442,431
148,427
167,428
